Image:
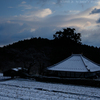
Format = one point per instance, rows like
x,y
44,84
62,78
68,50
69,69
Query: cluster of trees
x,y
68,34
39,53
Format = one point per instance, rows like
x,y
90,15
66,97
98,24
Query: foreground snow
x,y
23,89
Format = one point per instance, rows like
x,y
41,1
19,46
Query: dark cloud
x,y
58,1
42,1
94,11
45,1
24,26
1,28
11,32
90,36
98,21
45,32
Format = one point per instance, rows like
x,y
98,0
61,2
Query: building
x,y
75,66
16,72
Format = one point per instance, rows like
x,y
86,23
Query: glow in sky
x,y
22,19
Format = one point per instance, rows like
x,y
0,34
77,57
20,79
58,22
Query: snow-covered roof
x,y
76,63
17,69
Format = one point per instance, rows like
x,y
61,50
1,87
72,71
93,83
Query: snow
x,y
3,78
17,69
91,65
1,74
75,63
24,89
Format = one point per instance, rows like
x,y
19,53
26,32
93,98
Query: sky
x,y
24,19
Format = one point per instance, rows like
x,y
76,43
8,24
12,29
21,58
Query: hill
x,y
39,53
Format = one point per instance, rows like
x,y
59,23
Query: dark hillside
x,y
34,52
38,53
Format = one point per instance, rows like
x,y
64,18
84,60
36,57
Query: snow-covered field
x,y
24,89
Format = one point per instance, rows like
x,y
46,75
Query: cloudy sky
x,y
22,19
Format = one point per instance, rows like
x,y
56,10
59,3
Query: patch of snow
x,y
17,69
91,65
1,74
33,90
3,77
75,63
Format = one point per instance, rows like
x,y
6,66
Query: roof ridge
x,y
85,64
76,54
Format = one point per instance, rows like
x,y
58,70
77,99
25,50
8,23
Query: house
x,y
16,72
75,66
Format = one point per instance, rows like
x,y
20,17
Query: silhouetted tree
x,y
68,34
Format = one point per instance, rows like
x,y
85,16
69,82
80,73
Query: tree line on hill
x,y
38,53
